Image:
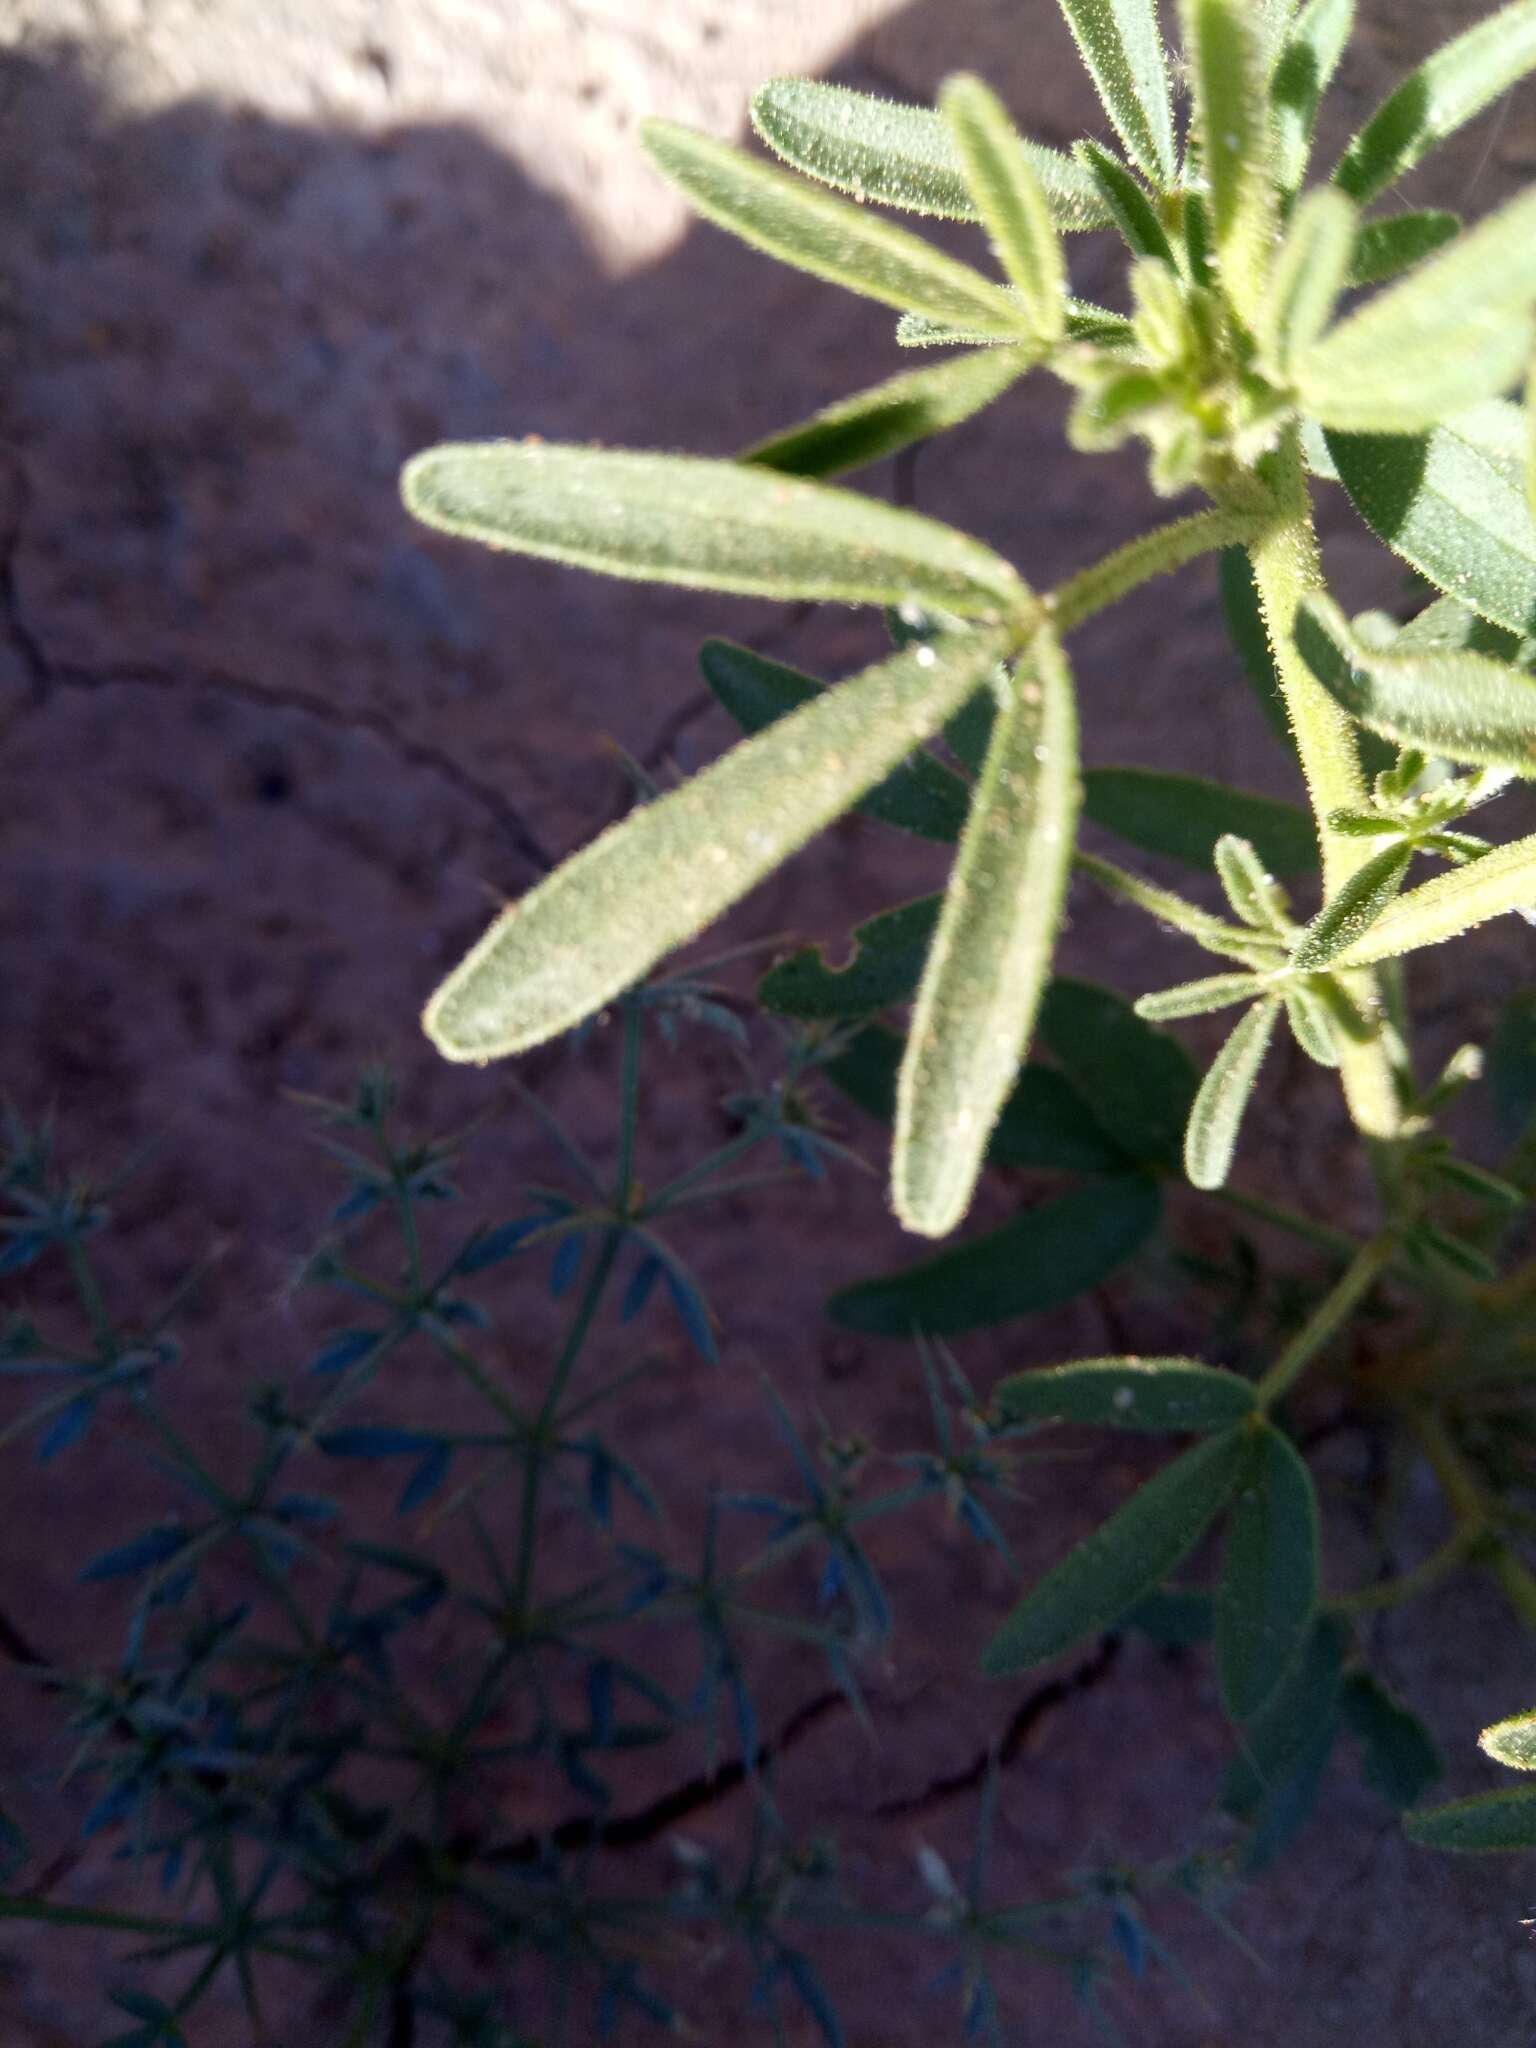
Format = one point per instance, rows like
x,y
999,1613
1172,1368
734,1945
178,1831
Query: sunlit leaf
x,y
991,954
1310,1024
1501,881
1236,144
1211,1136
1354,909
1010,202
1121,1562
1511,1742
1126,203
886,967
1146,1394
1449,89
1311,269
1199,998
1301,75
1268,1590
1386,248
1248,885
831,238
1044,1256
653,881
1123,50
900,155
709,525
912,407
1183,816
1486,1822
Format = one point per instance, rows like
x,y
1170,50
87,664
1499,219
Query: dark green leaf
x,y
1386,248
1355,908
1044,1256
1045,1123
911,407
1512,1066
1399,1754
1449,89
1123,50
1274,1779
1500,882
1120,1563
708,525
1138,1080
1268,1591
1183,816
1175,1617
1487,1821
1306,64
921,796
886,967
1452,503
1211,1136
1151,1395
1126,203
653,881
900,155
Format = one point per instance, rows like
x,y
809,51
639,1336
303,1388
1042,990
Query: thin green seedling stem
x,y
1472,1508
1327,1319
1159,553
1323,1235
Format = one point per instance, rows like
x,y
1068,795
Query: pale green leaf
x,y
900,155
1042,1257
1146,1394
1126,203
830,238
1452,502
710,525
890,416
656,879
991,954
1120,1563
1183,816
1449,89
1486,1822
1449,626
1511,1742
1211,1137
1200,998
1301,76
1010,202
1233,941
1355,908
1310,271
1464,706
1455,330
1254,894
1268,1589
1530,441
1451,904
1085,322
1123,50
1386,248
1236,145
1310,1024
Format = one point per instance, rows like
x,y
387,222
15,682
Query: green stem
x,y
1331,1313
1321,1234
1407,1586
1473,1511
1157,553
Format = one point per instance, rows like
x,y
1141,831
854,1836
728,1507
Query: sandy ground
x,y
270,753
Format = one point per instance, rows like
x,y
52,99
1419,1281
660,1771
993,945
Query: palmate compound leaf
x,y
1123,49
656,879
1456,330
830,238
1045,1255
706,525
911,407
991,953
1268,1590
1450,88
900,155
1452,503
1010,203
1121,1562
1155,1395
1486,1822
1462,705
1211,1136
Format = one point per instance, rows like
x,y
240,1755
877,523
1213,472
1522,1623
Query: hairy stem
x,y
1157,553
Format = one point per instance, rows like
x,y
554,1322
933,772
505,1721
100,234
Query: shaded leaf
x,y
1386,248
885,968
990,956
1274,1780
1183,816
653,881
911,407
1488,1821
1400,1757
1123,50
1144,1394
1120,1563
1268,1590
1126,203
901,155
1138,1081
1211,1136
1043,1256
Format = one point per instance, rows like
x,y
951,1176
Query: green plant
x,y
1247,377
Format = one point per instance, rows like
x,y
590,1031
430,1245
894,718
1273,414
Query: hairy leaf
x,y
1183,816
921,796
1511,1742
1268,1590
1199,998
1237,144
1120,1563
653,881
1354,909
1386,248
1123,50
1450,502
1139,1081
1462,705
1487,1821
1449,89
1211,1137
1043,1256
709,525
1311,269
887,964
912,407
1501,881
1125,202
1301,77
901,155
1249,886
1010,202
1146,1394
991,954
